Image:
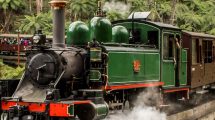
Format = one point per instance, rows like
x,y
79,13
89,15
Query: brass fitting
x,y
58,3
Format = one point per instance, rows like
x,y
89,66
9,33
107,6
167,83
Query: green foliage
x,y
8,72
114,15
31,23
139,5
116,10
196,15
82,9
192,15
10,4
212,31
164,10
7,10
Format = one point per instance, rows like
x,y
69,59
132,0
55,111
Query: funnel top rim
x,y
58,1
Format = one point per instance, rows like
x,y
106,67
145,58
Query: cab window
x,y
153,38
207,51
168,46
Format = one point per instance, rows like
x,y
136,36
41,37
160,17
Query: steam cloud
x,y
117,6
143,109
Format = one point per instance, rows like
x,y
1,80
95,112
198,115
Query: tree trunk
x,y
172,17
7,21
39,4
150,4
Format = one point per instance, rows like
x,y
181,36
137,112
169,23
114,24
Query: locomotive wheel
x,y
85,112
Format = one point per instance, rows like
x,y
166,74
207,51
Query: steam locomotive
x,y
99,68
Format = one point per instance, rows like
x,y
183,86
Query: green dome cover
x,y
100,29
120,34
78,34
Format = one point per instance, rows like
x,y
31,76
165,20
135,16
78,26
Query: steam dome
x,y
120,34
100,29
78,34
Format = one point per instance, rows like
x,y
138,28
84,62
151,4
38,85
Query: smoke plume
x,y
117,6
145,108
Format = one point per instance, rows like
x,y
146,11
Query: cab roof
x,y
157,24
196,34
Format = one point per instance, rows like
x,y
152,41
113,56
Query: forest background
x,y
30,15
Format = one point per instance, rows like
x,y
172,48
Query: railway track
x,y
196,113
204,110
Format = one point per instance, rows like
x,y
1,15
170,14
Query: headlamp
x,y
36,39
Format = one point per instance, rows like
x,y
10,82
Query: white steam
x,y
144,108
139,113
117,6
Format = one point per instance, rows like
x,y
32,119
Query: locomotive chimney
x,y
58,9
